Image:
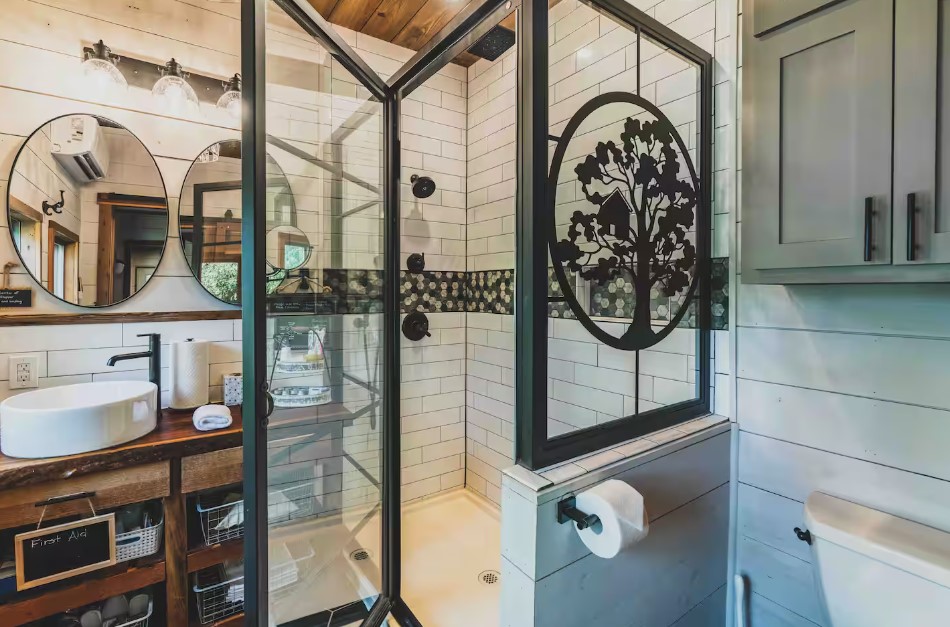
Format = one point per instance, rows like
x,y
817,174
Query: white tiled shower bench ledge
x,y
555,481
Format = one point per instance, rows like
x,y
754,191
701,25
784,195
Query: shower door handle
x,y
268,399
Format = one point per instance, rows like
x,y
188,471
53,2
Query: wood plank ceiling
x,y
407,23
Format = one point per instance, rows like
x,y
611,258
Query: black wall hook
x,y
50,208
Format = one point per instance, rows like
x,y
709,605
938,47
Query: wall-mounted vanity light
x,y
211,155
177,92
230,100
100,72
174,92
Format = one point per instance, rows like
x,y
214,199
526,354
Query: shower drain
x,y
359,555
489,577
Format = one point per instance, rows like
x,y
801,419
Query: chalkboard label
x,y
16,297
64,551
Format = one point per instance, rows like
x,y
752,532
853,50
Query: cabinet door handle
x,y
868,227
911,226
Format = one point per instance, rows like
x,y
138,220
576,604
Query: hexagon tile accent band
x,y
492,291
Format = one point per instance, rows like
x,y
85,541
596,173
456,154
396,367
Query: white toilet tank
x,y
877,570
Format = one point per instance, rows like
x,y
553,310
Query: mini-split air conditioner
x,y
79,145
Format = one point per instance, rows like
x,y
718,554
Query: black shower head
x,y
422,186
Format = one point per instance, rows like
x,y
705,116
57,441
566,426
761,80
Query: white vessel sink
x,y
79,418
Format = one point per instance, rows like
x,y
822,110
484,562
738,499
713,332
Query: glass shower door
x,y
319,338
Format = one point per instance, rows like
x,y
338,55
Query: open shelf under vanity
x,y
174,466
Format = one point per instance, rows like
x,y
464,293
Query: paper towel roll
x,y
189,374
623,517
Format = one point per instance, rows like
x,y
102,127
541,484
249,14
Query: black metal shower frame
x,y
534,203
534,449
460,34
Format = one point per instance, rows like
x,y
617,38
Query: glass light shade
x,y
210,155
175,95
102,78
230,101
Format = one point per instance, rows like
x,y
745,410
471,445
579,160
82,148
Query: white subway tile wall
x,y
77,353
490,401
433,408
433,137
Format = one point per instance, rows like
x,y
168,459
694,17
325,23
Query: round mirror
x,y
87,210
209,220
287,247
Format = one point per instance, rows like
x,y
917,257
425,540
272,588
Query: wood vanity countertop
x,y
174,437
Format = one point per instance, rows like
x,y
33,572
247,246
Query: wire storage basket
x,y
140,621
219,596
285,570
222,517
141,542
222,521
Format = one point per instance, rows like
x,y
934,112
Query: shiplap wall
x,y
843,389
675,576
41,43
39,177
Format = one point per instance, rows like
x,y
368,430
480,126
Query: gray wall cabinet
x,y
922,132
841,102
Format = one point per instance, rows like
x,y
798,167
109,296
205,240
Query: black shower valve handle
x,y
416,326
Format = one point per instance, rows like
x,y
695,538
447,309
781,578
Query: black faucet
x,y
154,354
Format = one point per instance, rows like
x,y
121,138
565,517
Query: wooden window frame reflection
x,y
57,233
105,248
32,218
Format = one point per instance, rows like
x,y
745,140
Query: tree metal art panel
x,y
642,196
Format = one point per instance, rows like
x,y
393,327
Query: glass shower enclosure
x,y
321,342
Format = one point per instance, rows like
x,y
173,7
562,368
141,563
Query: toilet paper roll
x,y
189,374
623,518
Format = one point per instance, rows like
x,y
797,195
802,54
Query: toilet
x,y
877,570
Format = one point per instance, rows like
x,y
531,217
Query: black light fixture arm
x,y
232,84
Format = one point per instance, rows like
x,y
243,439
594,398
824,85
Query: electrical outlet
x,y
24,371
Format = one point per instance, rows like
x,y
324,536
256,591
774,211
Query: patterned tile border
x,y
433,291
492,291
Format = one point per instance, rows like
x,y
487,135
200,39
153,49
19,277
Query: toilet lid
x,y
898,542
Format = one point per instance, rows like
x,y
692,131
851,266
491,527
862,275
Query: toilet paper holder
x,y
567,511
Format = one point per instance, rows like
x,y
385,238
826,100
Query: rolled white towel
x,y
211,417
